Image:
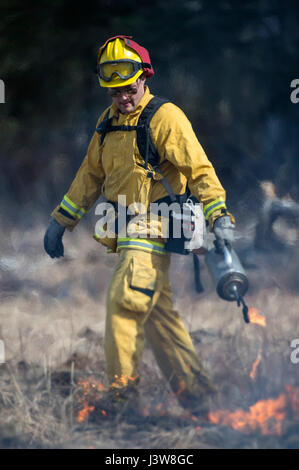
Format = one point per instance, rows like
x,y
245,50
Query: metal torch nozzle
x,y
240,300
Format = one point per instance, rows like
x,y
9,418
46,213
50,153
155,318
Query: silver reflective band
x,y
72,208
212,206
141,244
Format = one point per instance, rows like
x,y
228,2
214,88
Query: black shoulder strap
x,y
104,126
145,143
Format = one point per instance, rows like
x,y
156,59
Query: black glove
x,y
53,239
224,228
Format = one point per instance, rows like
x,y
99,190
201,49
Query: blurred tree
x,y
228,65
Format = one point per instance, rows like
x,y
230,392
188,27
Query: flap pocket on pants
x,y
144,278
136,283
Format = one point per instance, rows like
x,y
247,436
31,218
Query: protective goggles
x,y
124,68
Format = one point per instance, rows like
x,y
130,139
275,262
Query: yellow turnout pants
x,y
139,306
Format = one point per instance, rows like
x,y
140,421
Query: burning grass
x,y
52,321
265,416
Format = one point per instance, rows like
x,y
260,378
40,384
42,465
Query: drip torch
x,y
228,273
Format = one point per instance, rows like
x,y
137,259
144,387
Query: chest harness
x,y
150,156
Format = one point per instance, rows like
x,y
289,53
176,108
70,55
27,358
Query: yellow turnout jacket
x,y
116,167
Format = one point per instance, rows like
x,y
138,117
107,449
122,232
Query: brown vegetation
x,y
52,318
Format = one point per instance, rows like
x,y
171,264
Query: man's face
x,y
127,97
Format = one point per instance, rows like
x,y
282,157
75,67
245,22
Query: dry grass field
x,y
52,315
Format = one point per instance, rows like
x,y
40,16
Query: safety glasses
x,y
128,90
124,68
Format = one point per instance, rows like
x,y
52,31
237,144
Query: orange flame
x,y
122,380
265,415
88,390
88,386
255,365
84,413
256,317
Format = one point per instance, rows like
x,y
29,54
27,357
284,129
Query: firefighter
x,y
139,301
